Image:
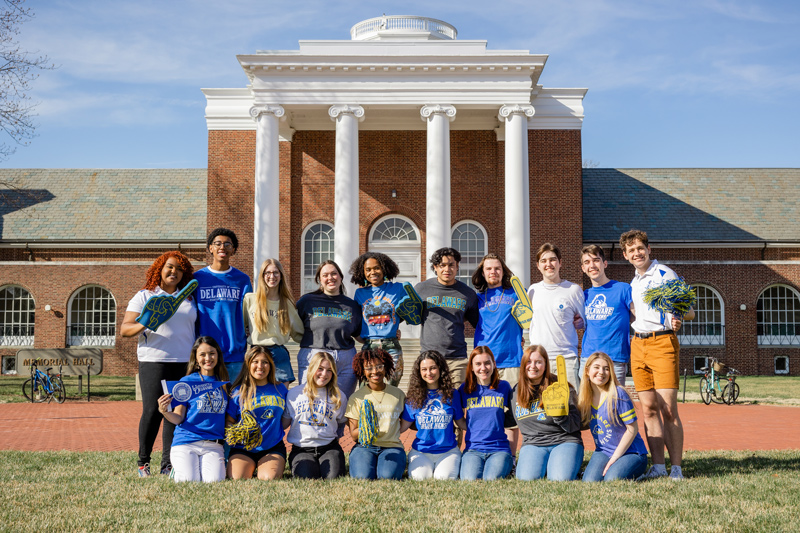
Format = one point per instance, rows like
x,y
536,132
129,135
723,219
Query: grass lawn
x,y
103,388
725,491
783,390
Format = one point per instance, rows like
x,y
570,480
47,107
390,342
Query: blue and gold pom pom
x,y
675,296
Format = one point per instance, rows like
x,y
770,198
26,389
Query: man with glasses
x,y
220,294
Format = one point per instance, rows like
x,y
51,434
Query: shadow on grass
x,y
738,463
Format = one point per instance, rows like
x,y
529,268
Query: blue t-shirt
x,y
267,407
378,304
219,310
607,435
497,328
608,313
205,414
484,411
435,432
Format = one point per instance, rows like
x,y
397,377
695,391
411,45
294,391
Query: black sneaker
x,y
167,470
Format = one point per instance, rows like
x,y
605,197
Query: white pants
x,y
434,465
203,460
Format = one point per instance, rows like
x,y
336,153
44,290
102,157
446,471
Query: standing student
x,y
432,405
655,356
448,304
332,322
379,297
497,328
197,453
271,317
608,412
220,295
485,400
609,307
378,454
163,353
551,446
558,311
256,390
314,412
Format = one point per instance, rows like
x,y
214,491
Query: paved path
x,y
109,426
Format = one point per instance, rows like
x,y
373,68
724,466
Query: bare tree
x,y
590,163
18,68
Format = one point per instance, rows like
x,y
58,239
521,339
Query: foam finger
x,y
519,290
561,369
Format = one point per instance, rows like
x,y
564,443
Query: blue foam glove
x,y
411,307
159,309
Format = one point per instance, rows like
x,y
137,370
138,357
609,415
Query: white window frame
x,y
704,359
787,317
394,242
107,339
9,365
15,317
703,330
775,365
467,268
307,283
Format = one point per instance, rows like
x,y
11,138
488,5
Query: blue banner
x,y
183,392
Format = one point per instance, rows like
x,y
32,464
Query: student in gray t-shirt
x,y
448,303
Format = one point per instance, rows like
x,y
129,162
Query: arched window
x,y
778,316
394,229
317,247
16,316
708,326
92,317
469,238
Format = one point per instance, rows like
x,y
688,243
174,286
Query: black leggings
x,y
325,462
150,376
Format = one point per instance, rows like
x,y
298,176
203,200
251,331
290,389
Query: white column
x,y
437,209
517,191
267,186
345,217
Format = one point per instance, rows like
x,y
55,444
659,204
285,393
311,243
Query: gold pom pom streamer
x,y
246,432
675,296
367,424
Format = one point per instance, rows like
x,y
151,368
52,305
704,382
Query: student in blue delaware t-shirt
x,y
497,328
609,305
433,405
609,412
256,390
197,453
220,295
485,400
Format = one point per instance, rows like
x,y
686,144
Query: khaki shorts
x,y
458,370
509,374
654,362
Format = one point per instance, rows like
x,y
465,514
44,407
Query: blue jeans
x,y
233,370
345,376
620,369
559,463
488,466
283,363
629,466
374,462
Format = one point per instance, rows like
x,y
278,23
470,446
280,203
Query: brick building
x,y
402,140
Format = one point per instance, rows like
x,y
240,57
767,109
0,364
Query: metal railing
x,y
401,23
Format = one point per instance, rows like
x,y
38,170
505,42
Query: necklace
x,y
499,301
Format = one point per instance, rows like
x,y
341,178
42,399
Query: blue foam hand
x,y
522,311
411,307
159,309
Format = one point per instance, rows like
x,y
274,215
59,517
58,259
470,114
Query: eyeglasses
x,y
376,368
220,244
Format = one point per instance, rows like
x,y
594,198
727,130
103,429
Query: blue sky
x,y
706,83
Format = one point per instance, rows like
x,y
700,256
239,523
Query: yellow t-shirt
x,y
273,335
388,404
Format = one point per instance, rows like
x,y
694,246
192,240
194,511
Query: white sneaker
x,y
653,473
675,473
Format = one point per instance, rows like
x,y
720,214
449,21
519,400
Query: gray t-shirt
x,y
446,309
539,429
313,425
330,322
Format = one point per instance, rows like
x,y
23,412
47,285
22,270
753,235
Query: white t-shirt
x,y
173,341
648,319
554,309
315,425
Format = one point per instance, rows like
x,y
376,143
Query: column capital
x,y
346,109
515,109
438,109
258,110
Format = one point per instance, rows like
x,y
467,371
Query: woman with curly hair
x,y
373,414
433,405
379,297
551,446
162,354
271,318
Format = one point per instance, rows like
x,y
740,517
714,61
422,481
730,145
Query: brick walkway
x,y
109,426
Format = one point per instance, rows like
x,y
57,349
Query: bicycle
x,y
710,388
41,386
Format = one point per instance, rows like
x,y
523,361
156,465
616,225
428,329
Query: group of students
x,y
226,332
